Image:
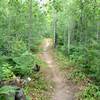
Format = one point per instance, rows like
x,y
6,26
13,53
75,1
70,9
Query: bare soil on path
x,y
63,89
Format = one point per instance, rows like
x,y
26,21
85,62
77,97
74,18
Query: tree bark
x,y
81,20
30,24
55,28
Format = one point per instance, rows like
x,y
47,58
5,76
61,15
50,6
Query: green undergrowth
x,y
63,61
89,90
18,61
38,87
71,72
77,76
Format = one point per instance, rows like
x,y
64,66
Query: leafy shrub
x,y
87,58
5,72
91,92
24,64
77,76
78,56
7,92
18,47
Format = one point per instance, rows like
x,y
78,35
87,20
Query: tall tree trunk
x,y
98,31
81,20
69,36
30,24
96,23
65,40
55,28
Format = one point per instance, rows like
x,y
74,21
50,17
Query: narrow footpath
x,y
62,90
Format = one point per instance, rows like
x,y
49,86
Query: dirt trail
x,y
62,90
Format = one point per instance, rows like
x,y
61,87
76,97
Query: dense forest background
x,y
78,34
74,25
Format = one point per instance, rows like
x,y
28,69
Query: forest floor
x,y
63,88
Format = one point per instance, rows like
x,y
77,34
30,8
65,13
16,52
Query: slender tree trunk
x,y
97,34
95,20
55,28
81,21
65,41
69,34
69,41
30,24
